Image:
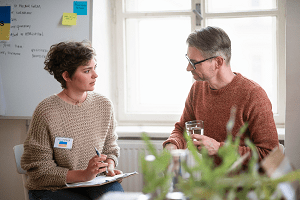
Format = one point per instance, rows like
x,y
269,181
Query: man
x,y
216,90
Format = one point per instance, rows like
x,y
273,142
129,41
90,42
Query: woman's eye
x,y
87,71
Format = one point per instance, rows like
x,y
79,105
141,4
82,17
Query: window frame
x,y
124,118
119,69
279,13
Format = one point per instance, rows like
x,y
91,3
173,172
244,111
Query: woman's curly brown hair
x,y
68,56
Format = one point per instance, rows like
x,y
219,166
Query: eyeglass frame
x,y
193,64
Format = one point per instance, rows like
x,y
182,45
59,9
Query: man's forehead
x,y
193,53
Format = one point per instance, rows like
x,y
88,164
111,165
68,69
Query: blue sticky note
x,y
80,7
5,14
4,22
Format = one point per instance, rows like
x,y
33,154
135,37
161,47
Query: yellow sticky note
x,y
69,19
4,31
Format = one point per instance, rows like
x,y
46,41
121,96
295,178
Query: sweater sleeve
x,y
111,148
262,128
176,136
37,158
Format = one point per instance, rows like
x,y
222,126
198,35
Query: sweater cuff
x,y
114,158
172,141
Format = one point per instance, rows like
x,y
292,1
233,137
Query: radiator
x,y
129,162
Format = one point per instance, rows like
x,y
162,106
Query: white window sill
x,y
152,131
161,131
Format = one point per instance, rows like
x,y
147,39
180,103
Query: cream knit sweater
x,y
90,125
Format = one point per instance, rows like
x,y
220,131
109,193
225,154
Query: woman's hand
x,y
210,144
111,169
95,166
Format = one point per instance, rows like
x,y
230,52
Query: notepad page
x,y
99,180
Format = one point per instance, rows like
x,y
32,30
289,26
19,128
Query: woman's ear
x,y
66,76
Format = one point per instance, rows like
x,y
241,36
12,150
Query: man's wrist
x,y
169,143
170,146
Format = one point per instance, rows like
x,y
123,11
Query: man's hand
x,y
210,144
170,146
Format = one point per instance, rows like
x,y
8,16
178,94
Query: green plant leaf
x,y
208,181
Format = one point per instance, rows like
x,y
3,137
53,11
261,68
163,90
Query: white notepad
x,y
100,180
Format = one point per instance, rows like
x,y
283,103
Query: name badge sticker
x,y
63,143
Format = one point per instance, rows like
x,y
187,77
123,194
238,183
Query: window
x,y
257,33
152,83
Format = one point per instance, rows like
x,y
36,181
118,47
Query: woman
x,y
66,128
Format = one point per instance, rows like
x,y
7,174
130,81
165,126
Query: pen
x,y
97,152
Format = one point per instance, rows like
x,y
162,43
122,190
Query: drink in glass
x,y
194,127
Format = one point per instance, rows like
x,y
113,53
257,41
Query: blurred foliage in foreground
x,y
221,182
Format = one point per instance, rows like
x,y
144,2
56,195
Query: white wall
x,y
13,131
292,125
2,100
102,42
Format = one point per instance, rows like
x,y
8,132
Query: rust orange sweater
x,y
213,107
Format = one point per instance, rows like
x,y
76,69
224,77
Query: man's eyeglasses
x,y
193,64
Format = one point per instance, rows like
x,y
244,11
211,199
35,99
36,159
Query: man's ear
x,y
219,62
66,76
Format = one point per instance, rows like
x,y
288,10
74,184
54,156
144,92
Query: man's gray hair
x,y
211,41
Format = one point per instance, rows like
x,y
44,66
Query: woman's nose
x,y
95,75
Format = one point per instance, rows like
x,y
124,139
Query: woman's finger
x,y
118,172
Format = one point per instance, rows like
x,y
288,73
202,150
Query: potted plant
x,y
221,182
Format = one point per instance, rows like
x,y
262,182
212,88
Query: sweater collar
x,y
84,103
227,87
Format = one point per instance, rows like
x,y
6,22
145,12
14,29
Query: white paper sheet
x,y
100,180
